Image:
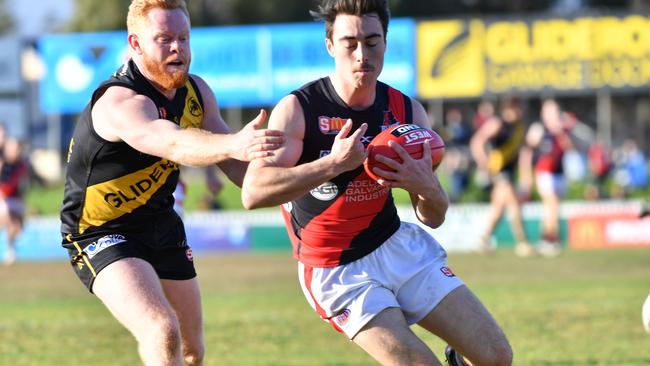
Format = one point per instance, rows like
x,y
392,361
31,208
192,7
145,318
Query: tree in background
x,y
100,15
275,11
202,13
6,21
97,16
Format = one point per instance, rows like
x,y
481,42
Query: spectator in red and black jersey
x,y
12,175
544,150
600,165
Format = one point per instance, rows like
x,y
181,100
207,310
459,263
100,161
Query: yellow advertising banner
x,y
458,58
450,59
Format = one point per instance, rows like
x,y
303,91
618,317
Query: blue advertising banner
x,y
75,65
206,232
246,66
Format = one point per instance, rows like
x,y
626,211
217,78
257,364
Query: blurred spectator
x,y
576,158
484,112
3,138
208,202
600,164
495,147
546,144
457,155
14,170
215,186
631,169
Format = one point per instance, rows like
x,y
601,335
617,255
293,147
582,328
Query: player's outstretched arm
x,y
277,179
122,115
478,142
235,168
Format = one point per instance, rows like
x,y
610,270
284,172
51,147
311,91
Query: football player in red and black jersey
x,y
363,270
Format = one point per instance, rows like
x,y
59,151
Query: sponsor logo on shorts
x,y
447,272
343,317
325,192
324,153
103,243
188,253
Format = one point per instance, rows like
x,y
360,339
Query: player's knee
x,y
194,355
193,359
167,331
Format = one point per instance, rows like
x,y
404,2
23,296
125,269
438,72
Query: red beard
x,y
165,79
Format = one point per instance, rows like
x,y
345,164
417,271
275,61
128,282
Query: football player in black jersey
x,y
125,242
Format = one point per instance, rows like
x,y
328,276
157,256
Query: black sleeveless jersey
x,y
110,186
348,217
505,147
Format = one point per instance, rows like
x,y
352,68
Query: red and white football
x,y
410,137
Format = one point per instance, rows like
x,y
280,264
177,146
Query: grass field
x,y
580,309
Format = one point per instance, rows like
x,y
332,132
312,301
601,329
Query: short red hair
x,y
139,8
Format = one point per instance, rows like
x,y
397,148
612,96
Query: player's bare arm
x,y
122,115
276,179
479,141
214,122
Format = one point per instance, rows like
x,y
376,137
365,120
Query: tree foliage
x,y
102,15
98,15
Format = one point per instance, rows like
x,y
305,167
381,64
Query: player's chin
x,y
364,79
176,79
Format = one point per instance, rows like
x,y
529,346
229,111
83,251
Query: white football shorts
x,y
550,184
408,271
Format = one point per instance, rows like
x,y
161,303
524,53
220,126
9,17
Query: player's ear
x,y
134,43
330,46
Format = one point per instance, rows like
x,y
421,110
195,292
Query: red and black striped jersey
x,y
549,154
111,186
348,217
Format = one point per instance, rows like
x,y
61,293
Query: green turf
x,y
580,309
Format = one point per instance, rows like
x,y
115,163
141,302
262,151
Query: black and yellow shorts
x,y
90,253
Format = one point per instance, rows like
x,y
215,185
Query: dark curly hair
x,y
329,9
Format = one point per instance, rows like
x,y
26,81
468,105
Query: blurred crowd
x,y
578,164
14,170
593,169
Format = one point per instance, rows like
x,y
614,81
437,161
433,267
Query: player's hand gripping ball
x,y
410,137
